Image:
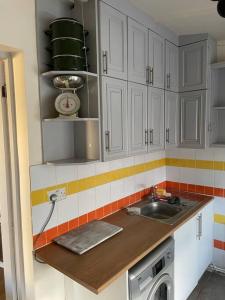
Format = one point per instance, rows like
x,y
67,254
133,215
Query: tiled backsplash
x,y
96,190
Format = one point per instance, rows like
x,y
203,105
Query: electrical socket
x,y
60,194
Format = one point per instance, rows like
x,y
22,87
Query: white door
x,y
137,118
113,30
114,103
192,119
156,118
137,52
171,76
186,260
156,60
171,119
193,66
205,236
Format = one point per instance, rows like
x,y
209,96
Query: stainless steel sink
x,y
162,211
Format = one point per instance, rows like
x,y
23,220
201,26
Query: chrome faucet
x,y
154,193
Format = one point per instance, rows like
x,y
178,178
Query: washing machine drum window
x,y
162,289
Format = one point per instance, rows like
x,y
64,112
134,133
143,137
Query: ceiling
x,y
186,16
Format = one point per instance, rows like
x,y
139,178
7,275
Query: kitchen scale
x,y
67,104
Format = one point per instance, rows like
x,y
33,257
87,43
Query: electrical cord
x,y
53,202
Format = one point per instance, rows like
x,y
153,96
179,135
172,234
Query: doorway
x,y
16,280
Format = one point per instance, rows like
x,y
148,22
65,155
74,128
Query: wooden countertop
x,y
99,267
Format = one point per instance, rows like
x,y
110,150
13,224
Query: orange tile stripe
x,y
47,237
219,245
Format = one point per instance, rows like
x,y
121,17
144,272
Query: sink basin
x,y
162,211
159,210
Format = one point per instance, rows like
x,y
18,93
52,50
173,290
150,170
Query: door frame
x,y
16,206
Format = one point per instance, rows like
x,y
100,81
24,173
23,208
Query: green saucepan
x,y
66,27
69,63
64,46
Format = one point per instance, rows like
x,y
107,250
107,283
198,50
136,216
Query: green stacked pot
x,y
67,44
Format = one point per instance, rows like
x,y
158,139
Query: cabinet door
x,y
114,104
156,60
172,57
137,116
137,52
186,260
205,236
192,119
193,66
113,42
171,117
156,118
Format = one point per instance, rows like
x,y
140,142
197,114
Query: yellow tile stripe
x,y
199,164
40,196
220,219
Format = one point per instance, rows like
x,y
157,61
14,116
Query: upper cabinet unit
x,y
193,119
114,114
172,63
171,119
137,52
113,40
193,67
156,60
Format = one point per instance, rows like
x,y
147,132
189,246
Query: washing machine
x,y
152,277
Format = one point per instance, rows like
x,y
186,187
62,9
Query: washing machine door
x,y
162,289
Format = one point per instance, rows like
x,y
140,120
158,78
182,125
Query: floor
x,y
211,287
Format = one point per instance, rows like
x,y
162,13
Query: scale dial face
x,y
67,104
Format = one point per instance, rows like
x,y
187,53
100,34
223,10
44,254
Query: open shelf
x,y
85,75
70,120
218,65
71,161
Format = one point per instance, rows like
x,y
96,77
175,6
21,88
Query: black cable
x,y
43,229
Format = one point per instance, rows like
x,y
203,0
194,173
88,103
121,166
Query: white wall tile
x,y
149,178
204,177
101,167
40,214
84,171
115,164
140,182
219,154
219,232
103,196
67,209
139,159
130,186
128,162
219,205
204,154
173,174
117,190
219,258
86,201
42,176
219,179
65,174
188,175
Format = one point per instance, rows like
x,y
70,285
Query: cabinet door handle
x,y
167,135
146,137
105,62
151,136
107,142
147,75
151,75
168,81
199,234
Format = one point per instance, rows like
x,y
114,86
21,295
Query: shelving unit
x,y
217,106
69,141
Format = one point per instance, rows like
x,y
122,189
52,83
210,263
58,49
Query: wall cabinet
x,y
137,118
193,66
137,52
197,234
156,60
171,119
171,75
113,40
192,119
156,118
114,123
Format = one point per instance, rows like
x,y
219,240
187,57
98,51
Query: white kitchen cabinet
x,y
137,118
156,118
156,60
193,66
205,244
172,59
192,119
193,251
114,107
137,52
113,40
171,119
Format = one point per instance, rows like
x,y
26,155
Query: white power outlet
x,y
57,195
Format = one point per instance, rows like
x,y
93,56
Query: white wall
x,y
17,23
